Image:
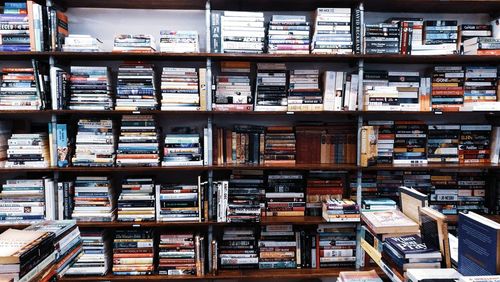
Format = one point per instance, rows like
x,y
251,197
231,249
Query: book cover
x,y
409,246
478,245
62,145
391,221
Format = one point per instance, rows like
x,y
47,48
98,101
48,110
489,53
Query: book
x,y
442,275
389,222
359,276
477,245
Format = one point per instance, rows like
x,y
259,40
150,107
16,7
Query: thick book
x,y
382,222
15,243
478,245
411,246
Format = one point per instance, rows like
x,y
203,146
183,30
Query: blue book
x,y
62,145
478,245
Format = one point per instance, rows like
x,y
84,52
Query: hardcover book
x,y
382,222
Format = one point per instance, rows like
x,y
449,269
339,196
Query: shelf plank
x,y
143,4
246,274
430,167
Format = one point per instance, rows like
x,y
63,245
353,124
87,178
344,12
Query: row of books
x,y
414,142
275,88
31,26
300,144
338,31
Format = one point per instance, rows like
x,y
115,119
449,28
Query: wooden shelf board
x,y
431,167
202,56
246,274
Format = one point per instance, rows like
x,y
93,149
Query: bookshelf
x,y
358,62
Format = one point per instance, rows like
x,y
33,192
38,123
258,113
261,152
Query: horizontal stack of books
x,y
321,186
332,31
137,201
21,89
304,93
182,150
93,260
336,245
27,253
81,43
482,46
178,202
278,247
94,143
180,89
344,210
179,41
90,88
134,43
28,150
135,90
245,191
242,32
67,243
93,199
288,34
23,200
233,91
133,252
280,146
238,248
16,34
138,142
180,254
285,194
271,93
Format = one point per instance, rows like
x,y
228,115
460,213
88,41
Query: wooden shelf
x,y
349,58
290,167
247,274
431,167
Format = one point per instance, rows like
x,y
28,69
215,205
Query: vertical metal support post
x,y
360,255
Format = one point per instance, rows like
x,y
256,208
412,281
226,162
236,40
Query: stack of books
x,y
21,89
28,150
16,35
242,32
388,183
134,43
180,89
442,143
238,248
67,243
443,196
343,210
137,200
245,192
472,188
406,252
95,143
93,199
321,186
410,142
469,31
233,90
23,200
90,88
419,180
94,258
133,252
285,194
382,38
353,276
81,43
332,31
26,254
380,204
336,245
447,88
138,142
288,34
385,140
135,90
271,94
304,92
480,84
182,150
280,147
179,41
482,46
178,203
442,35
179,254
474,144
278,247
